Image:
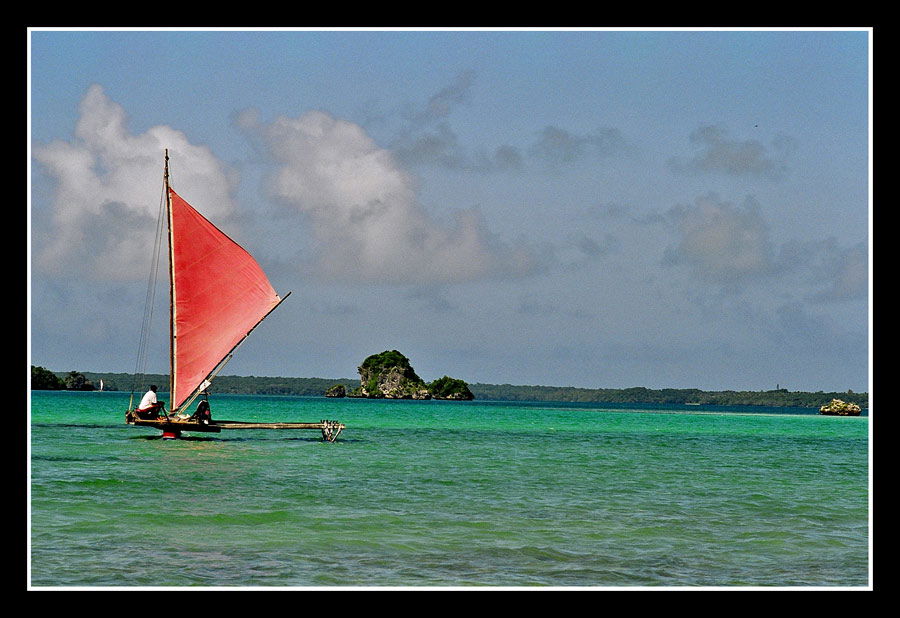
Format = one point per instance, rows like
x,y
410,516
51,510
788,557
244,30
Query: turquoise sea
x,y
449,494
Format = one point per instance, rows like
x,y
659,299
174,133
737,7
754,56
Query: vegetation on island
x,y
46,380
338,390
235,385
389,359
780,397
450,388
43,379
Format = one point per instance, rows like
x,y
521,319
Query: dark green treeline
x,y
258,385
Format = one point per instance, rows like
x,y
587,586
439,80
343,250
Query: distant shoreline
x,y
262,385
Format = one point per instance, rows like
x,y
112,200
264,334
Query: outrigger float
x,y
217,295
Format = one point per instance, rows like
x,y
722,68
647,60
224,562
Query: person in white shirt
x,y
150,407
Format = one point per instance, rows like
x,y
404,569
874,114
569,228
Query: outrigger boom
x,y
172,428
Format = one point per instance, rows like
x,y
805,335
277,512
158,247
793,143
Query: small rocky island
x,y
389,375
838,407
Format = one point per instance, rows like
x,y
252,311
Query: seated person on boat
x,y
203,414
150,407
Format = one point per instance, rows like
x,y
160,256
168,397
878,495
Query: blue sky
x,y
564,207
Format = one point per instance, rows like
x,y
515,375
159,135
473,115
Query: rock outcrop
x,y
838,407
338,390
450,388
389,375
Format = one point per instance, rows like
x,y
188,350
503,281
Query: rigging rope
x,y
140,366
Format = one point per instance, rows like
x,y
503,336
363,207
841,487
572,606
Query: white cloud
x,y
847,271
108,187
364,211
834,272
721,242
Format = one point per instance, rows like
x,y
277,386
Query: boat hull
x,y
174,428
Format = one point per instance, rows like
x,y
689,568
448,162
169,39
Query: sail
x,y
219,294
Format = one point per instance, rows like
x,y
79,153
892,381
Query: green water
x,y
448,494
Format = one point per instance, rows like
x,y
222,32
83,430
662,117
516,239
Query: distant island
x,y
43,379
389,375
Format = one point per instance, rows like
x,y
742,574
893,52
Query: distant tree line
x,y
777,398
43,379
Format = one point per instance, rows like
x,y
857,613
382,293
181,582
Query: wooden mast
x,y
171,281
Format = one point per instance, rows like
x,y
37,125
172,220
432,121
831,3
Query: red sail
x,y
220,295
